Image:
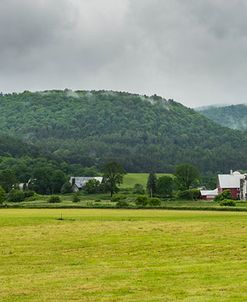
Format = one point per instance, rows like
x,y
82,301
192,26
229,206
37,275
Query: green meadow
x,y
122,255
131,179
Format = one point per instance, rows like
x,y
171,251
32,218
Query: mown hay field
x,y
122,255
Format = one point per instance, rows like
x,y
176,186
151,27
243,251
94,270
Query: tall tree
x,y
7,179
93,186
186,174
58,178
42,180
165,186
152,184
47,181
2,195
113,174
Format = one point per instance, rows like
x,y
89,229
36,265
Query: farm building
x,y
235,182
79,182
209,194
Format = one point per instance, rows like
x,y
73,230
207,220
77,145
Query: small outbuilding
x,y
208,194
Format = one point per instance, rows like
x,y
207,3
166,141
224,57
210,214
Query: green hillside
x,y
143,133
234,116
131,179
10,146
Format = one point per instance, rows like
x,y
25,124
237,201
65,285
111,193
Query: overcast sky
x,y
194,51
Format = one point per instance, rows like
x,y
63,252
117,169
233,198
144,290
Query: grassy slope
x,y
110,255
131,179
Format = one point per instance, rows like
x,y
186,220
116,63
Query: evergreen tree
x,y
152,184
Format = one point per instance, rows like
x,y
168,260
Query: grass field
x,y
91,202
131,179
104,201
122,255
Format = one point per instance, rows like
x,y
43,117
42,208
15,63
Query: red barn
x,y
231,182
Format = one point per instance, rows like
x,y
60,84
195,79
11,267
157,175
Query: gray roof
x,y
209,192
230,181
80,182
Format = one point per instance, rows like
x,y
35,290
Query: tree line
x,y
47,180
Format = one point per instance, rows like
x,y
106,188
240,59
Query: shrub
x,y
32,198
118,197
93,186
29,193
186,195
141,201
226,194
154,202
138,189
2,195
126,191
196,194
76,197
192,194
66,188
228,203
122,204
90,204
97,200
15,196
54,199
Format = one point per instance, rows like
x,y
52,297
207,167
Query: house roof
x,y
80,182
209,192
230,181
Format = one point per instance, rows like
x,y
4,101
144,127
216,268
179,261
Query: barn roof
x,y
230,181
209,192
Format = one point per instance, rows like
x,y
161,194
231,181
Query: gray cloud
x,y
193,51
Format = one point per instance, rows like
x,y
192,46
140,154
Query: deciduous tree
x,y
165,185
113,174
186,174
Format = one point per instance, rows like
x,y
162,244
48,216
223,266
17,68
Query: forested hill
x,y
143,133
13,147
234,116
